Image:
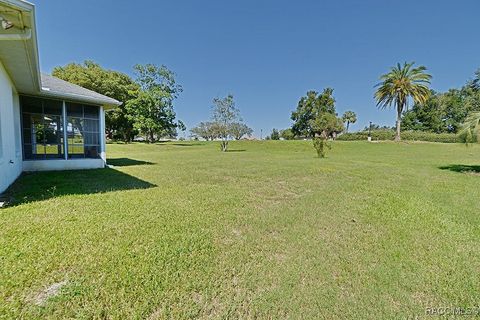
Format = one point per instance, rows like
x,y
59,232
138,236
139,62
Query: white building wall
x,y
10,141
55,165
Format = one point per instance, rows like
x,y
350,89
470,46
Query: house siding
x,y
10,141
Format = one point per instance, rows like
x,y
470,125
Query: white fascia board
x,y
34,59
20,4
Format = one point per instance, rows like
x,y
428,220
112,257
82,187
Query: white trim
x,y
103,153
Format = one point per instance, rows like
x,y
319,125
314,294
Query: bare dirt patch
x,y
41,298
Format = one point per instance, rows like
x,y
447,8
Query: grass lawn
x,y
181,230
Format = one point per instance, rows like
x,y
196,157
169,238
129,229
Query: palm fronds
x,y
471,128
401,83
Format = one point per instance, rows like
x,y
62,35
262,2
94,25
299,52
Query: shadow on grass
x,y
177,144
37,186
185,144
236,150
127,162
462,168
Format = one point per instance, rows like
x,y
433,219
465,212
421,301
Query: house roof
x,y
55,87
19,56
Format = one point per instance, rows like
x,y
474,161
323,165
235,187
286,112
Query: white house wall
x,y
10,141
55,165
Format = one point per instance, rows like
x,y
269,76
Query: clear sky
x,y
267,53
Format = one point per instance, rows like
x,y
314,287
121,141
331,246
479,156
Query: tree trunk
x,y
348,124
224,145
399,121
152,139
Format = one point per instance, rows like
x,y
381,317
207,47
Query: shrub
x,y
363,135
406,135
320,144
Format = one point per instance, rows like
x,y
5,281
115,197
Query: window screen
x,y
42,129
83,131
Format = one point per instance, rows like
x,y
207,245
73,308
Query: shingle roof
x,y
55,87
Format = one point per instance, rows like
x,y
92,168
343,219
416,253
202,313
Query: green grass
x,y
181,230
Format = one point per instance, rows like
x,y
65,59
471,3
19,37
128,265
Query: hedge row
x,y
406,135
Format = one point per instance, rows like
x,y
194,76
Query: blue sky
x,y
267,53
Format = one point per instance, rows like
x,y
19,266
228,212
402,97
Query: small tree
x,y
349,117
324,126
287,134
275,135
205,130
239,129
225,114
316,117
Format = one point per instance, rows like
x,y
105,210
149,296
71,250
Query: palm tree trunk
x,y
348,124
399,121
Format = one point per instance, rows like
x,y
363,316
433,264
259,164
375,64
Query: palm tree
x,y
471,128
349,117
400,84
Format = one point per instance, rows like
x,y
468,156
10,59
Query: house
x,y
45,123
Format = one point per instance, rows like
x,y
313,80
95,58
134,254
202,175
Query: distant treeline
x,y
445,111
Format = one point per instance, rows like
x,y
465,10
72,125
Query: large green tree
x,y
442,112
445,112
152,110
114,84
308,108
402,83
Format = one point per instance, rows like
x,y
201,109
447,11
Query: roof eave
x,y
21,4
36,59
107,104
29,38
